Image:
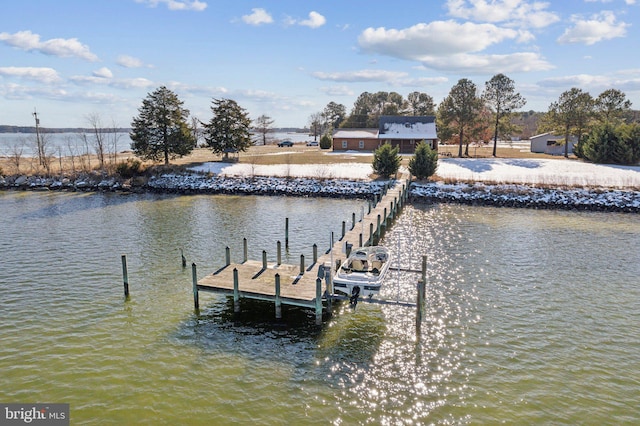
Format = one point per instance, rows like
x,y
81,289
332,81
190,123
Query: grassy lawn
x,y
258,155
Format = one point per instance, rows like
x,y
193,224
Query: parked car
x,y
285,143
312,143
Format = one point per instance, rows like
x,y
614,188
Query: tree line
x,y
606,127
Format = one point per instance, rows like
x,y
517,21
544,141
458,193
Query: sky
x,y
70,60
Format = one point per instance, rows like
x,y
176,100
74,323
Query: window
x,y
344,144
360,144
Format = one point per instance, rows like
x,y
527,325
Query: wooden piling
x,y
421,296
419,306
353,220
302,264
315,254
194,278
278,300
236,291
264,259
286,232
125,275
370,241
245,250
279,250
184,259
344,229
227,256
318,301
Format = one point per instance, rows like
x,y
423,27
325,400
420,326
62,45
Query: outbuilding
x,y
552,144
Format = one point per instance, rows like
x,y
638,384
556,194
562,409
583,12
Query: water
x,y
77,144
532,316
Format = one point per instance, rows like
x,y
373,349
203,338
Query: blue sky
x,y
288,58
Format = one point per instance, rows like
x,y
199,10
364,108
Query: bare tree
x,y
72,154
16,153
264,126
95,123
85,156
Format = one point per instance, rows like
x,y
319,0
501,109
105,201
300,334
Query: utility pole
x,y
38,140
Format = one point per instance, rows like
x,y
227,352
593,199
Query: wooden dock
x,y
301,285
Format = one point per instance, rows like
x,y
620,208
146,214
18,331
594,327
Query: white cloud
x,y
518,13
452,46
315,20
489,64
195,5
423,81
64,48
625,81
599,27
578,80
438,38
103,72
258,17
43,75
337,91
359,76
129,61
132,83
18,92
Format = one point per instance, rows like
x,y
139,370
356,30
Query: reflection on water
x,y
531,315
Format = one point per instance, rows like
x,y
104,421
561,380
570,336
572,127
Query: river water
x,y
532,317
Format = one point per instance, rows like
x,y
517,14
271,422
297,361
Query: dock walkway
x,y
301,285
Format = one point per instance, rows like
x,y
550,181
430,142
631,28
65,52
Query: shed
x,y
550,143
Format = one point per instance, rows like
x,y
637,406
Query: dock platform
x,y
301,285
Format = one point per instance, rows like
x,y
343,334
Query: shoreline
x,y
481,194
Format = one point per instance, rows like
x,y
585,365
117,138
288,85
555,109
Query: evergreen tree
x,y
611,106
420,104
611,144
161,131
229,128
501,96
386,161
424,162
326,141
570,114
459,111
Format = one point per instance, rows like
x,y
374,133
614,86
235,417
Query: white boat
x,y
363,271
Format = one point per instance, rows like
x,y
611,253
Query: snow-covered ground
x,y
357,171
549,172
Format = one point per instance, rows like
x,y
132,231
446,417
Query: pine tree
x,y
386,161
161,131
229,128
501,96
424,162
